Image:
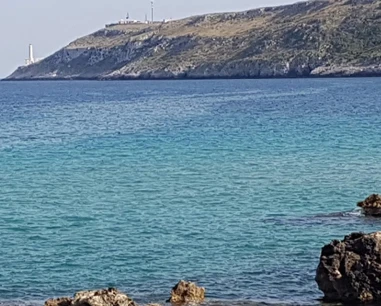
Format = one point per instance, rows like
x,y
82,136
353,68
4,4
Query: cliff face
x,y
316,38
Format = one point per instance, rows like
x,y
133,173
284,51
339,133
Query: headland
x,y
322,38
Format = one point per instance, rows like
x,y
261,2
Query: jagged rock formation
x,y
315,38
107,297
187,292
371,206
350,270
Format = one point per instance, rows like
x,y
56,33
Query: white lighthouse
x,y
31,59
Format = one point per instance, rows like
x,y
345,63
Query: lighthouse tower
x,y
31,59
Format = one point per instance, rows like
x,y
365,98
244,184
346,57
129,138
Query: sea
x,y
233,184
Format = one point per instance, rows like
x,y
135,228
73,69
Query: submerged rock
x,y
185,292
350,270
371,206
107,297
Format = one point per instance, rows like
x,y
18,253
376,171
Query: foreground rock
x,y
186,292
350,270
107,297
371,206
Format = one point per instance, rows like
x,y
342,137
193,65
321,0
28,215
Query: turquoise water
x,y
233,184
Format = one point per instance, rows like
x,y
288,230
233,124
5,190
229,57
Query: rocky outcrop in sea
x,y
183,293
371,206
187,292
350,270
106,297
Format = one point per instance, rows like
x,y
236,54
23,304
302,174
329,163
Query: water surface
x,y
233,184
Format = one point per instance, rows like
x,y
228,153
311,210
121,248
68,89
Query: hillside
x,y
315,38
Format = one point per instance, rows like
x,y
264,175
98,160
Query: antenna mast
x,y
152,10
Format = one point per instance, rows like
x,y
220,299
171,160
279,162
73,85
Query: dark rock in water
x,y
59,302
107,297
371,206
350,270
185,292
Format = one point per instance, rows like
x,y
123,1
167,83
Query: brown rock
x,y
350,270
371,206
59,302
107,297
185,292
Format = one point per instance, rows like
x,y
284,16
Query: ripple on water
x,y
233,184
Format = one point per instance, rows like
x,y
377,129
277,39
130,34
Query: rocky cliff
x,y
315,38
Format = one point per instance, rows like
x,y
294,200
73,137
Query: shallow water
x,y
233,184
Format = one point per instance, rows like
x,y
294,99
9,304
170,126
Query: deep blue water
x,y
233,184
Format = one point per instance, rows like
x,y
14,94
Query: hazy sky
x,y
52,24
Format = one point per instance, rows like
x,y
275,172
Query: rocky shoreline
x,y
325,74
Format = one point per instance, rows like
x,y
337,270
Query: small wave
x,y
318,219
353,213
356,213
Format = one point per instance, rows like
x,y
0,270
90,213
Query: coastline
x,y
143,78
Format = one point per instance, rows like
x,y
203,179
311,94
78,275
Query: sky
x,y
52,24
